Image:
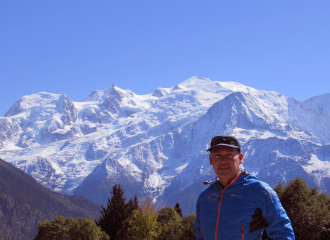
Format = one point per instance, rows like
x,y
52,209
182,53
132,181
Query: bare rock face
x,y
91,115
15,109
53,133
100,178
113,100
97,150
8,130
105,117
87,128
69,110
97,116
40,169
158,93
26,139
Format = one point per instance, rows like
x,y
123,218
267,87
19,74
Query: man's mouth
x,y
223,167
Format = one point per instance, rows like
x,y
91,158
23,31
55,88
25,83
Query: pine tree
x,y
130,207
178,209
113,217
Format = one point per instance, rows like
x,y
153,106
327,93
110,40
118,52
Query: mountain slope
x,y
24,202
155,144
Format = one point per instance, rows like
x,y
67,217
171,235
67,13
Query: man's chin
x,y
223,171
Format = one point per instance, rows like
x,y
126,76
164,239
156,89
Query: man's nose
x,y
223,158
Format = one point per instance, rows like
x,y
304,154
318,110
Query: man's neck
x,y
224,182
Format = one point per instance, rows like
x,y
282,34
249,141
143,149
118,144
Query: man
x,y
237,205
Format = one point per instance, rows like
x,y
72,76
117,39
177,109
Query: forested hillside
x,y
24,202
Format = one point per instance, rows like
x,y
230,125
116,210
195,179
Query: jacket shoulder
x,y
207,190
255,183
263,190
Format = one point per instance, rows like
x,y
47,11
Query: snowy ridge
x,y
155,144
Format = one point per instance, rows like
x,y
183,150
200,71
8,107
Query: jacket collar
x,y
242,178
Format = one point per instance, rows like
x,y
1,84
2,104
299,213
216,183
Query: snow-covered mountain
x,y
155,144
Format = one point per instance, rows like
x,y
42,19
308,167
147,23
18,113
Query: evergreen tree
x,y
130,207
178,209
113,217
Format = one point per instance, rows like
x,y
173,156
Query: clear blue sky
x,y
75,47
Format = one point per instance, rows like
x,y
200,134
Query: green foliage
x,y
70,229
143,222
130,207
170,221
188,230
167,214
308,210
174,226
166,224
114,218
56,229
85,229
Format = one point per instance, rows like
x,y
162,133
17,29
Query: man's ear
x,y
240,156
210,157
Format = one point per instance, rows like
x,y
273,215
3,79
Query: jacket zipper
x,y
242,231
216,226
219,206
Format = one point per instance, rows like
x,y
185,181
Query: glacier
x,y
155,144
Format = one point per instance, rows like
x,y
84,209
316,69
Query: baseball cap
x,y
225,141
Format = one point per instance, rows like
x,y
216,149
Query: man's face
x,y
225,161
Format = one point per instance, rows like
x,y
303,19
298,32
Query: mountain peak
x,y
26,103
156,142
194,82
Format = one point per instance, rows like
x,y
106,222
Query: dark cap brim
x,y
223,144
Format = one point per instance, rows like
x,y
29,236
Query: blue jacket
x,y
241,211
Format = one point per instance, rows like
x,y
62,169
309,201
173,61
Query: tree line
x,y
308,210
123,221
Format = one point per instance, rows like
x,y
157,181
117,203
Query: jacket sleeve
x,y
197,224
277,225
